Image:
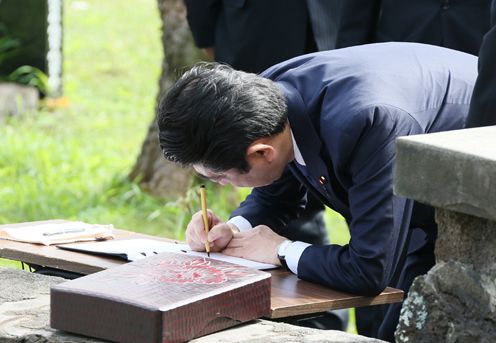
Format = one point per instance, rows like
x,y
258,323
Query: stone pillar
x,y
454,171
16,99
55,50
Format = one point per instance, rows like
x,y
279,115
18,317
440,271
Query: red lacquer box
x,y
165,298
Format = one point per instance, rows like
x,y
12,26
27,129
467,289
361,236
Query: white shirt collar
x,y
297,154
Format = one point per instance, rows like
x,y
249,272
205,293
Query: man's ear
x,y
258,152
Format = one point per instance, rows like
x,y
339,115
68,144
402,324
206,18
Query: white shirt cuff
x,y
241,223
293,254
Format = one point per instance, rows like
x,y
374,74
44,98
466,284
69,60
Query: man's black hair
x,y
213,113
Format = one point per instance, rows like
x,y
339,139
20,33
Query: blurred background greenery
x,y
72,162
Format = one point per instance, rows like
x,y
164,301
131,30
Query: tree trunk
x,y
155,174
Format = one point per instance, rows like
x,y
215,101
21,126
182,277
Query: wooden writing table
x,y
290,296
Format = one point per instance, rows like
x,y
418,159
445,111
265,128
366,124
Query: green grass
x,y
10,263
72,163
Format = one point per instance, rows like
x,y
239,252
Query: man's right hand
x,y
219,235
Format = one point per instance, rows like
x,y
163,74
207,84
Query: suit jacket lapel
x,y
310,147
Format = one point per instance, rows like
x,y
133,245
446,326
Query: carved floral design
x,y
192,271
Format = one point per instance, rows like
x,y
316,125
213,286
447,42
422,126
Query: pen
x,y
53,233
203,198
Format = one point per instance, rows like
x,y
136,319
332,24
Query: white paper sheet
x,y
55,233
137,248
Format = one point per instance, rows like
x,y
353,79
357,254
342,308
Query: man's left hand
x,y
258,244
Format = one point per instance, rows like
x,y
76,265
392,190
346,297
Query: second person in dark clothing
x,y
454,24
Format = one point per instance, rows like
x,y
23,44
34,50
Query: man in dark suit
x,y
324,123
483,105
454,24
252,35
256,34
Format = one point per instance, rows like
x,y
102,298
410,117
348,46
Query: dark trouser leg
x,y
368,319
310,227
330,320
381,321
417,263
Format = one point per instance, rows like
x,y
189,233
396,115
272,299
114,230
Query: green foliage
x,y
73,163
8,46
10,263
30,76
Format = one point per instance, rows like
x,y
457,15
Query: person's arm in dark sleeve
x,y
379,220
483,104
202,16
358,22
274,205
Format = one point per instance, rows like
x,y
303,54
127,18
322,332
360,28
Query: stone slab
x,y
25,308
264,331
16,99
454,170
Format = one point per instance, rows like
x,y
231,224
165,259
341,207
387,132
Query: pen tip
x,y
208,254
202,186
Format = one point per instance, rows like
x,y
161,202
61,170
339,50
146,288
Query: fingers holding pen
x,y
193,236
195,231
219,234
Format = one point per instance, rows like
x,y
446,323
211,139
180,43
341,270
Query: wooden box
x,y
165,298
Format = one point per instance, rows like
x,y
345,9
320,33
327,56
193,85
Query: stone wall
x,y
25,311
455,172
17,99
452,303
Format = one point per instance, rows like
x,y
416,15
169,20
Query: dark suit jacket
x,y
252,35
244,31
454,24
346,108
483,105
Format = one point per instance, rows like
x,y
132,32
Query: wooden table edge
x,y
91,264
388,296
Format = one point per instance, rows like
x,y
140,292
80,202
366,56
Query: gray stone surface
x,y
454,170
467,239
452,303
25,308
264,331
16,99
